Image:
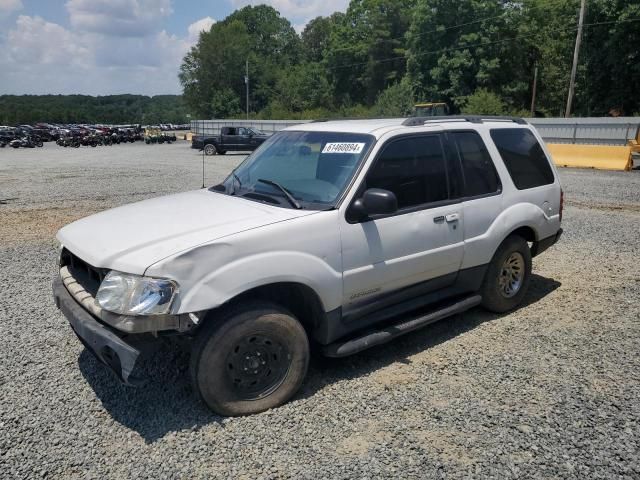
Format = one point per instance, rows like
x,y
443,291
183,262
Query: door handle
x,y
452,217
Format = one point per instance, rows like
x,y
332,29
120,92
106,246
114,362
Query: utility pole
x,y
533,94
246,82
576,53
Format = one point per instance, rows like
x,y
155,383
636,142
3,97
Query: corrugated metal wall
x,y
593,131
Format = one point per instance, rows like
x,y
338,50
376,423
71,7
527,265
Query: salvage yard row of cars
x,y
77,135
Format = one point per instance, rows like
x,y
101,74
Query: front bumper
x,y
105,343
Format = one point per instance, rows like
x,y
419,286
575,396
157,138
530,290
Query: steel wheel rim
x,y
209,150
511,275
256,366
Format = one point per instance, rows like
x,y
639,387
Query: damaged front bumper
x,y
105,343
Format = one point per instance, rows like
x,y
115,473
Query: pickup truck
x,y
231,139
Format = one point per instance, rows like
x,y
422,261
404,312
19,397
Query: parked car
x,y
338,236
231,139
27,141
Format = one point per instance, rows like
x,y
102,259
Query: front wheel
x,y
210,149
253,358
508,276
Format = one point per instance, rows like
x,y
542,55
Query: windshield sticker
x,y
343,147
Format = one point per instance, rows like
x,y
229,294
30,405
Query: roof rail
x,y
340,119
414,121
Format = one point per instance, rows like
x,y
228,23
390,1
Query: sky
x,y
104,47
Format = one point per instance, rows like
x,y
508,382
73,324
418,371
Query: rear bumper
x,y
542,245
103,342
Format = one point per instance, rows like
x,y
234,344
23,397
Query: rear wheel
x,y
210,149
508,276
252,358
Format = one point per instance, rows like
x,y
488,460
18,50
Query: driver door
x,y
422,243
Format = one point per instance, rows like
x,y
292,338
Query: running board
x,y
377,337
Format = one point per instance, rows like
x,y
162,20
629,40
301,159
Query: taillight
x,y
561,203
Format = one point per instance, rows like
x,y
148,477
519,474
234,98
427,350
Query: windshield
x,y
255,131
312,167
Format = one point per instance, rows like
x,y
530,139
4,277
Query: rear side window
x,y
414,169
523,156
480,176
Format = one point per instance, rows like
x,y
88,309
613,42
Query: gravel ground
x,y
549,391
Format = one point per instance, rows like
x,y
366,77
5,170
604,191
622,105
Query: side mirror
x,y
374,201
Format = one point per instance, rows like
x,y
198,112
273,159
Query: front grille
x,y
88,276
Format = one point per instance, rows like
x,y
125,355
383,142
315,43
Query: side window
x,y
242,131
523,156
414,169
480,176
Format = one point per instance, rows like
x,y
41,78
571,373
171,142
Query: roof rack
x,y
414,121
340,119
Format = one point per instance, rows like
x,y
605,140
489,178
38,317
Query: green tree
x,y
303,87
225,104
317,34
610,59
452,52
258,35
215,63
484,102
366,50
395,101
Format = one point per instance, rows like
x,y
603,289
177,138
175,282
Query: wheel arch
x,y
299,299
524,231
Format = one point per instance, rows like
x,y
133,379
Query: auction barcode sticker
x,y
343,147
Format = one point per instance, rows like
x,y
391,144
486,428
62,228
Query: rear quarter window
x,y
523,156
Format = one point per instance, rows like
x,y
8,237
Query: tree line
x,y
381,56
109,109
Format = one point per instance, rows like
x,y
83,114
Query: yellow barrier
x,y
602,157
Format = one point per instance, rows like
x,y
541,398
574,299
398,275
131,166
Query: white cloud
x,y
35,41
112,46
40,57
204,24
299,12
9,6
130,18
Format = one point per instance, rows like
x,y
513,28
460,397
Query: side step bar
x,y
377,337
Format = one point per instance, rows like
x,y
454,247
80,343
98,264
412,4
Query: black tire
x,y
508,276
256,335
210,149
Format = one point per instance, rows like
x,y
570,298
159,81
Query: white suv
x,y
334,235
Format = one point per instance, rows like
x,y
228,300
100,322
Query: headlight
x,y
128,294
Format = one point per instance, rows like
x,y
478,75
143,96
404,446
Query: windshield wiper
x,y
284,191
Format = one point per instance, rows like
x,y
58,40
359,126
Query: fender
x,y
479,250
206,284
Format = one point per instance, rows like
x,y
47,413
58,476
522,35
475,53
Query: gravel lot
x,y
549,391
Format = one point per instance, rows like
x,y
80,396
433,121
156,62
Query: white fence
x,y
594,130
212,127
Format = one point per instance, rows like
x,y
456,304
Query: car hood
x,y
133,237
